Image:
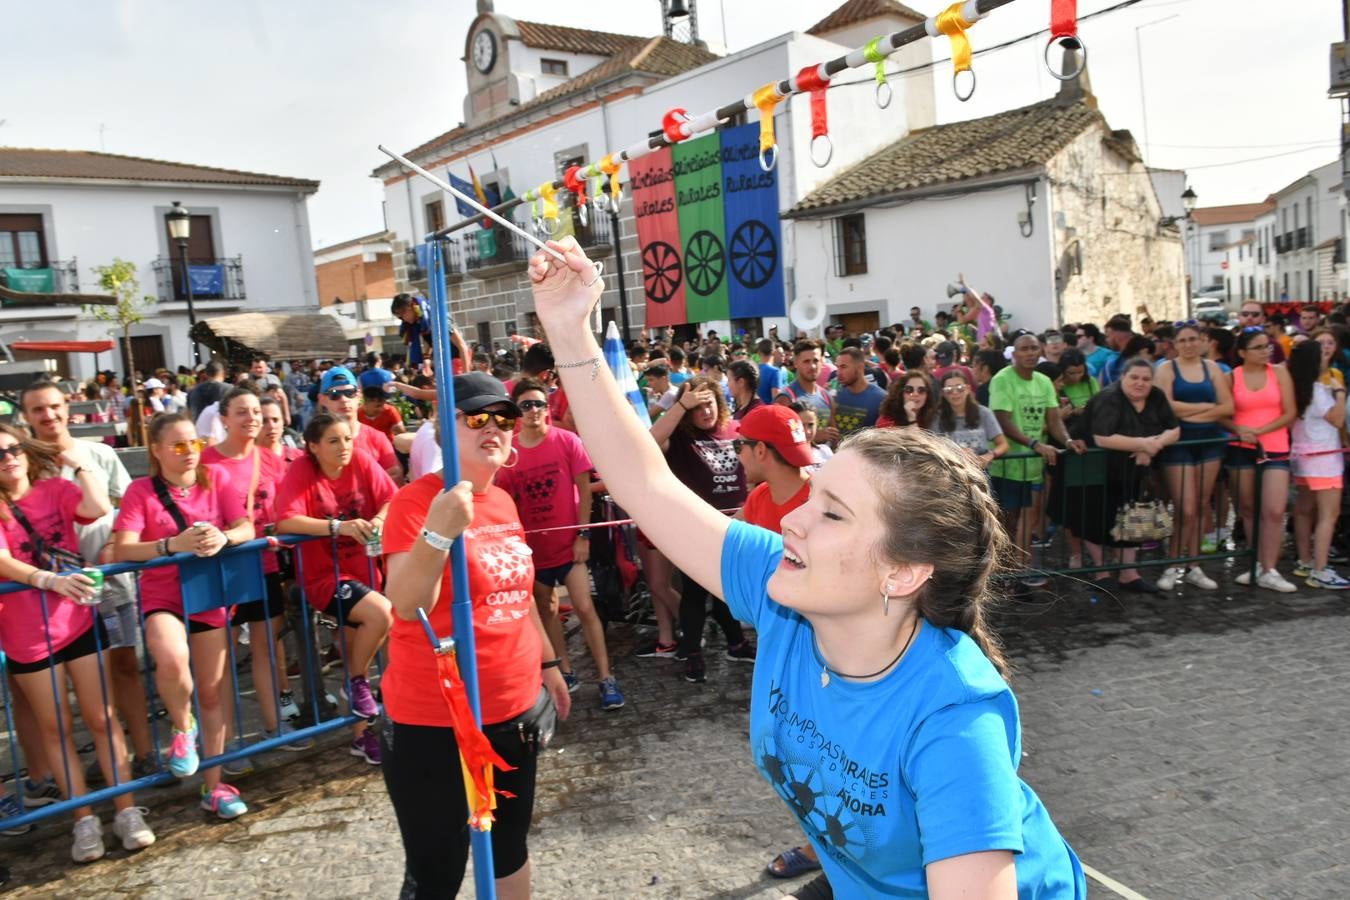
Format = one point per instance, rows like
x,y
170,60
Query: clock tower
x,y
487,59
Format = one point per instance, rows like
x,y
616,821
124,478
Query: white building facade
x,y
70,211
1310,249
1209,233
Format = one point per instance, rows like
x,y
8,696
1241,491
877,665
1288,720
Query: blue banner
x,y
207,280
754,245
464,187
423,252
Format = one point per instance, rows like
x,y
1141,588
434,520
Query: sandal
x,y
791,863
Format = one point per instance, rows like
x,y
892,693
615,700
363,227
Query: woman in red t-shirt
x,y
55,632
420,747
273,430
341,495
254,474
181,508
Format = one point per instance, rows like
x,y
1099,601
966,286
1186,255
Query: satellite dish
x,y
807,313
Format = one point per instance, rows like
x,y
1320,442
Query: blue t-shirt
x,y
770,380
375,377
1097,360
854,411
888,776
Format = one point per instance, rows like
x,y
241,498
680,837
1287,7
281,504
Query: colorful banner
x,y
207,280
464,187
658,229
754,237
698,202
34,281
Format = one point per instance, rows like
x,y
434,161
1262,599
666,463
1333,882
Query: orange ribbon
x,y
765,99
951,23
611,167
476,755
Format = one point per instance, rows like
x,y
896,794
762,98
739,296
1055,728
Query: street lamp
x,y
180,229
1188,200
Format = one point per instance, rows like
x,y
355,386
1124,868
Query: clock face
x,y
484,51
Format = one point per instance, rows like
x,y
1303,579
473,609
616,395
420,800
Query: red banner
x,y
658,229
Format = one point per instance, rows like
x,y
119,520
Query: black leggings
x,y
422,774
694,599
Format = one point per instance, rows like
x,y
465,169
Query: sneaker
x,y
572,681
88,844
40,793
240,765
224,801
610,695
361,700
694,671
1210,542
658,650
183,759
1034,582
1272,580
1335,555
367,746
1196,576
1169,578
129,825
1328,579
1043,542
330,658
1303,569
682,656
295,746
1245,577
742,652
9,808
145,766
287,708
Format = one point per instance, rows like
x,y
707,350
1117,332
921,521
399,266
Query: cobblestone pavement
x,y
1188,746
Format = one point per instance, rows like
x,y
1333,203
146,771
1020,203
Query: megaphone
x,y
954,289
807,313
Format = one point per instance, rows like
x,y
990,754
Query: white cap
x,y
152,383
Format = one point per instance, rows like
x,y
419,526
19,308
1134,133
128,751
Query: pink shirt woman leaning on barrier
x,y
54,631
181,508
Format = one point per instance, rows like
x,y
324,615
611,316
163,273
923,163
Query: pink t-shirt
x,y
271,469
49,507
359,492
145,517
542,482
373,442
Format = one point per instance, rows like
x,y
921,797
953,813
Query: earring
x,y
885,603
512,465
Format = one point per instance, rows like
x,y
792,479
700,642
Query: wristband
x,y
436,541
333,526
1033,445
551,664
163,547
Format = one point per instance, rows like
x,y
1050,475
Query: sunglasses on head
x,y
15,451
915,389
528,405
341,393
183,448
480,419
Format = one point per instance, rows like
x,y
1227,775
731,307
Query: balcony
x,y
220,279
60,276
489,252
418,262
1303,238
1283,243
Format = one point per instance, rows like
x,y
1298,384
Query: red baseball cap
x,y
780,428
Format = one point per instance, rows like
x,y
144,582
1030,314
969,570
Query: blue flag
x,y
754,259
617,360
464,187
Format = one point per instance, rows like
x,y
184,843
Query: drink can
x,y
201,525
375,546
96,576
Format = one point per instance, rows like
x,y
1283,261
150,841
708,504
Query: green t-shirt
x,y
1079,394
1026,401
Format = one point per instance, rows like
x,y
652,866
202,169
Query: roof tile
x,y
31,162
1230,215
543,36
854,11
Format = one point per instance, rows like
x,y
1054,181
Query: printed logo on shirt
x,y
539,489
504,563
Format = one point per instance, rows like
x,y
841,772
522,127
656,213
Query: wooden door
x,y
201,251
858,323
149,352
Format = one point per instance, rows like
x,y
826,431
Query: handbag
x,y
1142,520
46,555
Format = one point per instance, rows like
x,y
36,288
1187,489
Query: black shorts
x,y
349,593
194,627
257,610
94,638
427,791
554,576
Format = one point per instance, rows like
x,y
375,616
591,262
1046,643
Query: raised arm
x,y
687,530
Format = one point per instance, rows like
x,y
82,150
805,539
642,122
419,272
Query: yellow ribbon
x,y
951,23
549,196
765,99
872,53
611,167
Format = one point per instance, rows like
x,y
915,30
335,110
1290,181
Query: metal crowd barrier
x,y
235,575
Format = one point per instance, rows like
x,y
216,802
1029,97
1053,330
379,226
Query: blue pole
x,y
461,609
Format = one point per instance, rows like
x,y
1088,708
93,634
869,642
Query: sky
x,y
308,88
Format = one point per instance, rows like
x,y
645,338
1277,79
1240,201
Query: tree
x,y
119,279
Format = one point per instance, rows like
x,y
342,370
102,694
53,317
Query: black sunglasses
x,y
341,393
15,451
738,443
533,404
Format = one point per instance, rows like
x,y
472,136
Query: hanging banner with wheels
x,y
698,201
658,230
754,256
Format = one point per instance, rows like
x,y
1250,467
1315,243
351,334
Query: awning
x,y
241,337
63,346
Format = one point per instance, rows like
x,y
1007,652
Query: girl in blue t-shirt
x,y
879,711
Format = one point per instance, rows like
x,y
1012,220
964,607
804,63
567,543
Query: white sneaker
x,y
1197,577
1246,576
1272,580
1328,579
1169,578
88,845
129,825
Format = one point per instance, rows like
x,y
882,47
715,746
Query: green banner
x,y
698,201
33,281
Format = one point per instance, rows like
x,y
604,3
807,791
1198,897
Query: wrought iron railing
x,y
216,279
496,246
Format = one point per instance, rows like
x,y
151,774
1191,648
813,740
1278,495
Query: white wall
x,y
95,224
912,256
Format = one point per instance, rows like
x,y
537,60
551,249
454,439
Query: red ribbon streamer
x,y
574,182
671,122
475,751
809,80
1063,18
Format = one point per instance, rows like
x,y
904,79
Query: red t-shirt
x,y
762,511
384,422
143,515
543,485
501,578
271,469
557,407
358,492
49,507
373,443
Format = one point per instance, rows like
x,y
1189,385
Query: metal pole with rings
x,y
1064,34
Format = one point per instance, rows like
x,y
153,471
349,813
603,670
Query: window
x,y
1219,281
21,242
434,214
554,67
484,336
850,245
1217,240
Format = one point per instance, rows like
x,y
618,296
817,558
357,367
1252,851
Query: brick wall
x,y
352,279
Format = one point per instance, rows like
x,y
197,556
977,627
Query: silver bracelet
x,y
436,541
593,362
599,267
